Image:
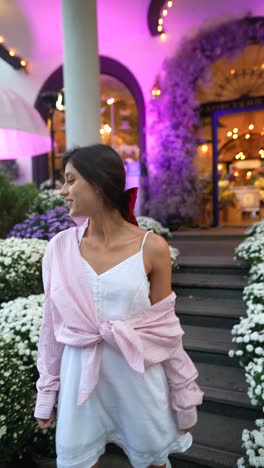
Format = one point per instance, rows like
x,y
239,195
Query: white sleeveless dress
x,y
126,409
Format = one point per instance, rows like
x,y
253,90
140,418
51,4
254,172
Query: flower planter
x,y
234,215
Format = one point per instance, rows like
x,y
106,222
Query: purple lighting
x,y
15,144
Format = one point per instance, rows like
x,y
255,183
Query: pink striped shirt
x,y
148,337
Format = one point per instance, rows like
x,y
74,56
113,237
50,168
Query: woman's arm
x,y
49,353
158,262
179,369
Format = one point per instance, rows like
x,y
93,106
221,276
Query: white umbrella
x,y
23,133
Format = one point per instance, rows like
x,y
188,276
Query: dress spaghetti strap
x,y
144,239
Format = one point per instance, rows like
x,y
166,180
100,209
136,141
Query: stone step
x,y
208,306
209,312
207,340
234,235
204,457
216,359
208,292
214,267
208,281
207,321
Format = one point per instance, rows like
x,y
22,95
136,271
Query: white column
x,y
81,72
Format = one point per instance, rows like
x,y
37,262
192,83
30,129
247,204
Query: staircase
x,y
209,286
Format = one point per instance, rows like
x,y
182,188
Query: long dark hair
x,y
102,166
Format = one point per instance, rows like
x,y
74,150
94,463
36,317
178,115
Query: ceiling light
x,y
110,101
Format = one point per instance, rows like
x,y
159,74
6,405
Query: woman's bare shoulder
x,y
156,244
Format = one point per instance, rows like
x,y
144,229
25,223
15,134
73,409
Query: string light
x,y
236,173
160,25
251,127
219,167
240,156
247,136
10,55
156,92
107,128
204,148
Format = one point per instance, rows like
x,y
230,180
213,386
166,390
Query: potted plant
x,y
229,203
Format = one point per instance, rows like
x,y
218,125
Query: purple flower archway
x,y
173,183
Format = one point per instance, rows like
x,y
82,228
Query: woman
x,y
110,343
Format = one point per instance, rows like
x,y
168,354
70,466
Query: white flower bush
x,y
253,442
45,201
251,249
249,338
20,322
255,379
151,224
256,273
174,254
253,296
20,267
257,229
16,404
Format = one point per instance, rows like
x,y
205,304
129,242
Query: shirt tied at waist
x,y
145,338
121,336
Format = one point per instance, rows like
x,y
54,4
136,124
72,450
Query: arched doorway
x,y
176,115
115,76
231,151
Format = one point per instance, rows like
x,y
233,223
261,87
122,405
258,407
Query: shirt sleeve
x,y
185,394
49,353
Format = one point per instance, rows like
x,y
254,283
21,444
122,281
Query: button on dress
x,y
125,409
